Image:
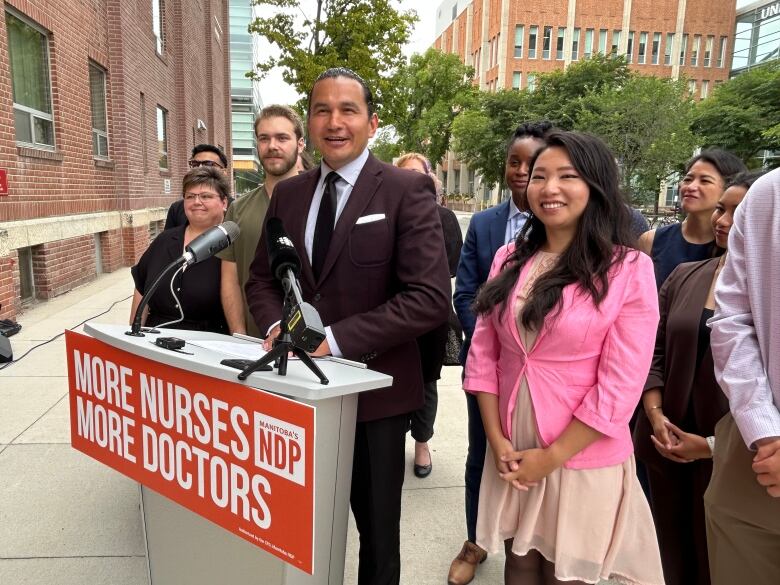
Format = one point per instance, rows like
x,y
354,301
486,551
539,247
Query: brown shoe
x,y
464,567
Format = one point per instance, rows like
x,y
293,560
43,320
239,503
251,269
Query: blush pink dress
x,y
593,524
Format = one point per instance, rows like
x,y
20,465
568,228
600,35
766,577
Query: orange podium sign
x,y
239,457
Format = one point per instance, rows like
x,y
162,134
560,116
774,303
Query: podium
x,y
184,545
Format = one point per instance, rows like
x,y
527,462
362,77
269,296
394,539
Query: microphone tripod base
x,y
280,352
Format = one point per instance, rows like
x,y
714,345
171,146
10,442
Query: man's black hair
x,y
210,148
334,72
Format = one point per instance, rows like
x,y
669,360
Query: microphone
x,y
213,240
282,255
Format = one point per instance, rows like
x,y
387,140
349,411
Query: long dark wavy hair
x,y
603,237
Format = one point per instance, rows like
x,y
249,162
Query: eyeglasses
x,y
194,164
203,197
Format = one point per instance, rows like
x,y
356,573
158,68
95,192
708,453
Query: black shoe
x,y
423,470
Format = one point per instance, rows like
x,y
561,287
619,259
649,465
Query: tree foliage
x,y
365,35
431,89
743,114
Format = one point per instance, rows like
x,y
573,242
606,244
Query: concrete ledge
x,y
33,232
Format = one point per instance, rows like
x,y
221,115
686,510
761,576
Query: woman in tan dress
x,y
558,361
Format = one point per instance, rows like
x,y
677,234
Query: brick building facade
x,y
101,102
509,42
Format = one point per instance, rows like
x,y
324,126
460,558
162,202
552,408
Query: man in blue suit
x,y
487,232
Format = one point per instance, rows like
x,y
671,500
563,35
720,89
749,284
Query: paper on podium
x,y
247,351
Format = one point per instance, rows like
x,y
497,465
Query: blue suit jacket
x,y
484,237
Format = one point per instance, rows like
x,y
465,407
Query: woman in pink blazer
x,y
558,361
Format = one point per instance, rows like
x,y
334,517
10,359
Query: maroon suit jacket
x,y
384,283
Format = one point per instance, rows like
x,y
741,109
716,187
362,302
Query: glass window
x,y
630,47
575,45
691,86
642,57
519,33
28,50
656,50
683,48
708,50
97,99
158,24
559,43
546,42
517,78
162,137
668,49
588,43
705,88
530,82
603,41
695,50
722,52
533,32
615,42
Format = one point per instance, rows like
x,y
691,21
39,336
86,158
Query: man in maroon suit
x,y
374,266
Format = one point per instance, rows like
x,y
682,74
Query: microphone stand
x,y
135,330
283,344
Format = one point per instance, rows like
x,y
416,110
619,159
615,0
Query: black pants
x,y
475,461
377,479
421,420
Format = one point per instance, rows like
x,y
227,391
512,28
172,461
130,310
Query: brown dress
x,y
593,524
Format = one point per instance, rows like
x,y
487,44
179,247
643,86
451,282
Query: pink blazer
x,y
587,363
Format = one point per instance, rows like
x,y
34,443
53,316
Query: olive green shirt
x,y
248,211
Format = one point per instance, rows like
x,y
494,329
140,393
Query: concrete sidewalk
x,y
66,519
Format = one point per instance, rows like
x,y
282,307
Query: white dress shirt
x,y
514,222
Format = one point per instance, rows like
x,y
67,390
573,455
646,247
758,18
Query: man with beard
x,y
279,132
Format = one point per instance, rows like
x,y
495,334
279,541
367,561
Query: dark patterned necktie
x,y
326,220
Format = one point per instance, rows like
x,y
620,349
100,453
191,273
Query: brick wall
x,y
63,265
112,255
9,285
135,240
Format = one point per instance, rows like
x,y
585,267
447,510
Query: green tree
x,y
385,146
743,114
480,133
431,89
364,35
647,145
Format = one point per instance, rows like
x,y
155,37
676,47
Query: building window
x,y
519,34
683,48
517,79
533,32
546,42
97,99
615,42
630,47
559,43
708,50
705,88
575,45
530,82
497,43
668,49
588,43
722,52
642,57
691,86
603,41
162,137
28,49
158,24
695,50
656,50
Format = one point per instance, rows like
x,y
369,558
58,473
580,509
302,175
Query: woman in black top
x,y
205,194
706,176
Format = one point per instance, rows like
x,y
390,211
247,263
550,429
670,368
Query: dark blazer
x,y
692,398
484,237
384,283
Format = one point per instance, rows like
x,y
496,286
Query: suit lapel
x,y
366,186
498,227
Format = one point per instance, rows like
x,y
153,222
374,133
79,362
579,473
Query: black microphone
x,y
282,255
213,240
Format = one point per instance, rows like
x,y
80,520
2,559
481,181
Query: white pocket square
x,y
370,218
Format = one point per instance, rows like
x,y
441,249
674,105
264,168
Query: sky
x,y
274,90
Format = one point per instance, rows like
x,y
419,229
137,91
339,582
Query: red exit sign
x,y
3,182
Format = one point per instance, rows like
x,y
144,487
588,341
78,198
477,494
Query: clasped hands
x,y
766,465
675,444
523,469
